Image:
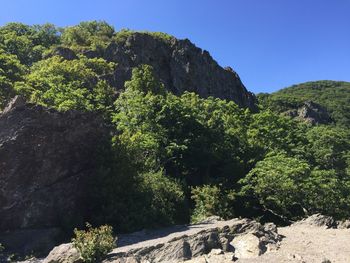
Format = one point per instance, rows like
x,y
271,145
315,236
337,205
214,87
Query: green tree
x,y
94,35
69,84
211,200
269,131
28,42
329,147
277,182
11,71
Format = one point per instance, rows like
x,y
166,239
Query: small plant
x,y
94,243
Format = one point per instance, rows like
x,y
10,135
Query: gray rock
x,y
64,253
208,242
311,112
318,220
180,65
247,246
343,224
46,161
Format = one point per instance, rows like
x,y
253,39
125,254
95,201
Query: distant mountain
x,y
333,96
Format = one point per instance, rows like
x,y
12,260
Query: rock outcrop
x,y
198,240
46,160
312,113
318,220
180,65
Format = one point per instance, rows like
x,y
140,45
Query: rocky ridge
x,y
178,64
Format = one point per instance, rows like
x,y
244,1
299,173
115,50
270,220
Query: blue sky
x,y
270,43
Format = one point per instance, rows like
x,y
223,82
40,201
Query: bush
x,y
211,200
94,243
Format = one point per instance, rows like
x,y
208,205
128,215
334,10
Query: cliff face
x,y
180,65
46,158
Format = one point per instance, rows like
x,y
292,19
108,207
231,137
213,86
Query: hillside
x,y
332,95
111,55
139,130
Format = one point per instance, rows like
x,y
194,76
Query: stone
x,y
319,221
221,258
199,242
343,224
180,65
64,253
247,246
47,159
216,251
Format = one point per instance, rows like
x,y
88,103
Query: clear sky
x,y
270,43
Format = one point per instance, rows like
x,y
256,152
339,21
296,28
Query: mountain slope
x,y
179,64
332,95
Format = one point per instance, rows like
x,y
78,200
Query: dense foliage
x,y
333,95
173,159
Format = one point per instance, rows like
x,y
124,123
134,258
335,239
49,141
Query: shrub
x,y
211,200
94,243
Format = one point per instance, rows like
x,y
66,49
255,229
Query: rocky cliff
x,y
46,159
180,65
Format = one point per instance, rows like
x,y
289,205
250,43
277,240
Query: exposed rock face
x,y
312,113
180,65
46,159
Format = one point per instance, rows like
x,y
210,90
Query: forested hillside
x,y
179,157
333,95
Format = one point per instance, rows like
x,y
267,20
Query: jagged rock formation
x,y
46,159
311,112
180,65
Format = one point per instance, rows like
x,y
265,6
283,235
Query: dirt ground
x,y
309,244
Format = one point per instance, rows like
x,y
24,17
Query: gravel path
x,y
309,244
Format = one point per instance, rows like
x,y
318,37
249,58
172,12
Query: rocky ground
x,y
315,239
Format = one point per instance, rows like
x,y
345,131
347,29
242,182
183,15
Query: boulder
x,y
319,221
47,159
247,246
64,253
180,65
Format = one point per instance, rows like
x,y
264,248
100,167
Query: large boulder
x,y
65,253
180,65
46,161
